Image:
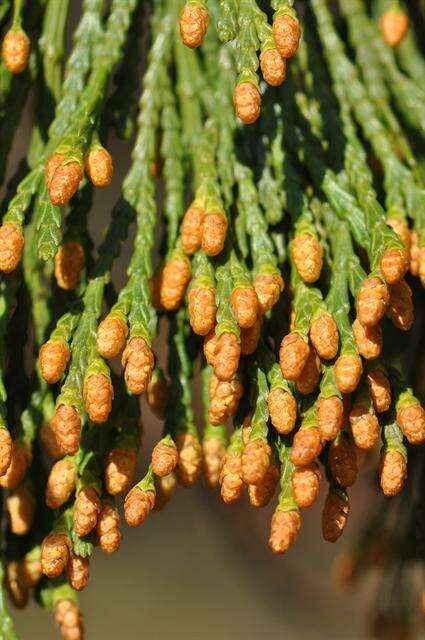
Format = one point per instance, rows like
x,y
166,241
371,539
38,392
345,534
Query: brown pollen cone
x,y
284,530
108,529
21,508
190,459
20,461
214,232
307,255
54,357
49,441
244,303
120,469
86,511
394,25
330,417
247,101
255,461
268,287
138,363
379,389
282,410
231,478
287,34
214,451
66,424
224,399
193,25
202,309
293,356
368,339
261,494
364,427
137,506
411,421
111,336
16,586
69,620
11,247
310,375
60,483
64,182
175,277
348,371
99,167
77,572
324,335
400,309
50,167
343,462
306,485
55,551
157,396
392,472
250,337
306,446
273,67
191,229
6,448
372,301
15,50
226,356
335,516
394,264
98,396
209,346
164,459
402,230
69,261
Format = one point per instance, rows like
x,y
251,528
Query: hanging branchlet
x,y
286,520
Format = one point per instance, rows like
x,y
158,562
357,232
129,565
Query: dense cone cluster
x,y
281,263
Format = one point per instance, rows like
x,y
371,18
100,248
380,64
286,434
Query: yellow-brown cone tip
x,y
15,50
99,167
287,34
247,101
69,261
11,247
273,67
393,472
137,506
193,25
284,530
394,25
